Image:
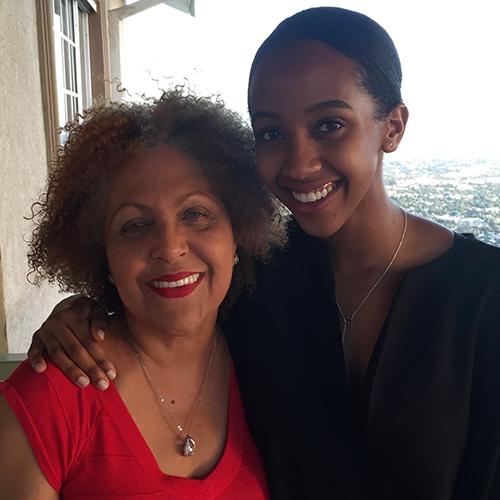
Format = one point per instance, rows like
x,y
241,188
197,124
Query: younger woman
x,y
369,356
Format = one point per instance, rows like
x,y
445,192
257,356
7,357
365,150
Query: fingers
x,y
66,337
98,319
79,357
60,358
35,355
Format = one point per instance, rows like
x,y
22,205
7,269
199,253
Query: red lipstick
x,y
167,285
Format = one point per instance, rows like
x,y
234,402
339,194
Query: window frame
x,y
96,57
71,82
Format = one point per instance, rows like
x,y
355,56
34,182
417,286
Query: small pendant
x,y
189,446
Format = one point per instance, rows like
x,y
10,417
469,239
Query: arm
x,y
71,337
20,475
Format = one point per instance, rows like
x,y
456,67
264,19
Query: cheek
x,y
125,262
219,255
268,164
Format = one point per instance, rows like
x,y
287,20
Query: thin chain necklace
x,y
188,443
349,320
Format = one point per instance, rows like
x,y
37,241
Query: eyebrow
x,y
125,204
334,103
146,208
206,194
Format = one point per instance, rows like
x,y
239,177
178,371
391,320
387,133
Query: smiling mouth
x,y
188,280
316,194
175,285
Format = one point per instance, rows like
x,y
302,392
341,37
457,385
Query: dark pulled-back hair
x,y
356,36
67,245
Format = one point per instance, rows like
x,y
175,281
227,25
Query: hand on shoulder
x,y
71,337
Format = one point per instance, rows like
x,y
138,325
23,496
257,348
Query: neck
x,y
368,239
170,347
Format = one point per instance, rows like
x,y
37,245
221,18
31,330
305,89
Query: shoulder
x,y
430,242
56,416
478,260
469,245
24,376
464,282
465,259
471,268
49,398
479,263
52,383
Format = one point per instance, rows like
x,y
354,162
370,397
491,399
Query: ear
x,y
395,128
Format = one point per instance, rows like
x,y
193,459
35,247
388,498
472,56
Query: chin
x,y
318,228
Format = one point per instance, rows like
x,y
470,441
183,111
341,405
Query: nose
x,y
303,158
169,243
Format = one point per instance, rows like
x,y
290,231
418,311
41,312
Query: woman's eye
x,y
269,135
329,126
133,227
196,215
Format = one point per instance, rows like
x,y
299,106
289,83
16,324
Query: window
x,y
72,58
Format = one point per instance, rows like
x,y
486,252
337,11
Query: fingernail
x,y
83,381
100,333
102,384
111,374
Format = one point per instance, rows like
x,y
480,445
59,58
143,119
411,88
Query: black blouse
x,y
426,424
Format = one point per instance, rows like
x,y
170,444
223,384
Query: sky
x,y
450,53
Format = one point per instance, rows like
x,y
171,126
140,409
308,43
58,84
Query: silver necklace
x,y
188,443
349,320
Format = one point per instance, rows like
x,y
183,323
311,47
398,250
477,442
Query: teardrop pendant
x,y
189,446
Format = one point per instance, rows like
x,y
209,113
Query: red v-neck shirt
x,y
88,446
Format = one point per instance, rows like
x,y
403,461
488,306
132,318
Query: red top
x,y
88,445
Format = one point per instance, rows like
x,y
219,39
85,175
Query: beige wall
x,y
22,170
3,332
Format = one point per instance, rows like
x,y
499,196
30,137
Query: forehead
x,y
305,71
158,171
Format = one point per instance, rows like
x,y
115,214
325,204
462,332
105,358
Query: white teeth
x,y
188,280
313,195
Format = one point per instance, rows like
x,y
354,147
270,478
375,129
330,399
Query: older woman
x,y
369,357
147,211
